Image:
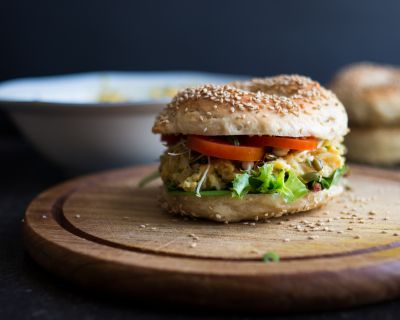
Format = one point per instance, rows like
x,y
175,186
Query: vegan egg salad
x,y
240,165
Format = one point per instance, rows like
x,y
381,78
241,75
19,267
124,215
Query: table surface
x,y
27,291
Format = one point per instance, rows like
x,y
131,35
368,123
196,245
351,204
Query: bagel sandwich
x,y
252,150
371,95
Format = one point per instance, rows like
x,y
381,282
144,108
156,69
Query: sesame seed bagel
x,y
252,207
286,105
374,145
370,92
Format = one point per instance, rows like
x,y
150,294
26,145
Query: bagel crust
x,y
377,146
370,92
286,105
251,207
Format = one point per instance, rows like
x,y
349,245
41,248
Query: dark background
x,y
312,37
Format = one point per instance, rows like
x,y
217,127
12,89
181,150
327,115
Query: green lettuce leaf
x,y
241,185
293,188
327,182
284,183
263,180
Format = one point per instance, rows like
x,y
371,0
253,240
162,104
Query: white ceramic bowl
x,y
64,120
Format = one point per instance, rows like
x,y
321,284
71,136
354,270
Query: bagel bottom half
x,y
251,207
377,146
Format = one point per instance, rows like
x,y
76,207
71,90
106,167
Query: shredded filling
x,y
292,175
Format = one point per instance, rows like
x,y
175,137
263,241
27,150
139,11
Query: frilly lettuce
x,y
285,183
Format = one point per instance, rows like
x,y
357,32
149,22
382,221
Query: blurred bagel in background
x,y
371,94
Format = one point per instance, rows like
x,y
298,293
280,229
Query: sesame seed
x,y
256,93
77,216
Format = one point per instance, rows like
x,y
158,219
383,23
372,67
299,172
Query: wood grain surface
x,y
104,233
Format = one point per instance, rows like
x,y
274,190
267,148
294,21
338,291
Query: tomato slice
x,y
219,148
282,142
171,139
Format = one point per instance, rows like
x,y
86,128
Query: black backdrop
x,y
254,37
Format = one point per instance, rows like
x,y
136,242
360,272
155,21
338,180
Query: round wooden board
x,y
104,233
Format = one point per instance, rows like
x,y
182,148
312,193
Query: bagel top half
x,y
370,92
285,105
